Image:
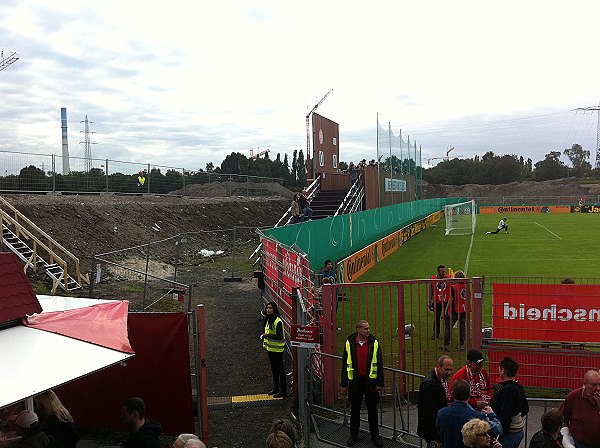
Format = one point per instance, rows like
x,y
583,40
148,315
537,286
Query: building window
x,y
321,158
335,160
334,141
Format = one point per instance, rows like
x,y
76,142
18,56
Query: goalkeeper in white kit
x,y
501,225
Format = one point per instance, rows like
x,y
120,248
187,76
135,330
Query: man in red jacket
x,y
480,386
362,375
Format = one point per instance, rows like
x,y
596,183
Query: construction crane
x,y
11,59
308,129
259,153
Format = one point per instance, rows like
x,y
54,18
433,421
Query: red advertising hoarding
x,y
546,312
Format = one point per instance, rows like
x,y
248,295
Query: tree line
x,y
493,169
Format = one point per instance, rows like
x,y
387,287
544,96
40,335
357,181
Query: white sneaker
x,y
487,233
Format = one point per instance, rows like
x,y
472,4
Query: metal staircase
x,y
39,251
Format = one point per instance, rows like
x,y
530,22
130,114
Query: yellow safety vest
x,y
141,180
273,345
372,370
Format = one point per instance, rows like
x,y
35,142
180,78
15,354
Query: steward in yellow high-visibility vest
x,y
362,375
273,339
141,180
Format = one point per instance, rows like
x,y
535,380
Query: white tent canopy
x,y
32,360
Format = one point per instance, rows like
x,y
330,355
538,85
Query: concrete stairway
x,y
326,203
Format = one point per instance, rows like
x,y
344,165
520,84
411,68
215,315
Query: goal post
x,y
460,218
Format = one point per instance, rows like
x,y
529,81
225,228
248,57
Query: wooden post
x,y
202,392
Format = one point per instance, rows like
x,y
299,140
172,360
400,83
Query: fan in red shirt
x,y
480,387
437,298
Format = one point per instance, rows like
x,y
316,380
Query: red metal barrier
x,y
539,367
550,328
390,307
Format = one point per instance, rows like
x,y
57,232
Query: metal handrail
x,y
52,243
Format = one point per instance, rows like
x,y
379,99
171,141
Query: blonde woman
x,y
55,420
475,435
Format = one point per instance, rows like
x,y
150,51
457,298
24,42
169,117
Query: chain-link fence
x,y
160,275
28,172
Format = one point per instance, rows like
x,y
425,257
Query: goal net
x,y
460,218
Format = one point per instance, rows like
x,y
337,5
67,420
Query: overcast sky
x,y
183,83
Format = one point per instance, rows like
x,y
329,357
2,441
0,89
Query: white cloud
x,y
186,83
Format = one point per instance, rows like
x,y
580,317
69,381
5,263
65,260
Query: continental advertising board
x,y
352,267
503,209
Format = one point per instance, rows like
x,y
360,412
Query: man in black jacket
x,y
510,404
143,433
362,375
434,394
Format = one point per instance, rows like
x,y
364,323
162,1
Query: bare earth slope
x,y
559,187
92,224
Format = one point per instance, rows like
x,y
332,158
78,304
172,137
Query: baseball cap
x,y
475,356
25,419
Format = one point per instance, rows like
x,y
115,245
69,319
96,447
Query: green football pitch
x,y
538,245
540,248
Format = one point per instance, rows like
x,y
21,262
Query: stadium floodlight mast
x,y
460,218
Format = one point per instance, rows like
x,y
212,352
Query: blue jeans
x,y
511,439
306,214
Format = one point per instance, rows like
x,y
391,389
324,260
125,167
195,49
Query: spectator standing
x,y
510,404
362,375
305,211
141,180
143,433
581,411
328,273
434,394
295,209
480,386
28,428
456,310
353,172
475,434
451,420
274,343
549,436
438,298
55,420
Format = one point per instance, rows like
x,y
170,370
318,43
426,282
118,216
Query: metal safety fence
x,y
397,408
29,172
536,200
160,273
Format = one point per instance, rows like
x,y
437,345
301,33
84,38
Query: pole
x,y
201,377
106,173
391,160
377,155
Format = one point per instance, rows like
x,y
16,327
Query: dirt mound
x,y
228,188
92,224
558,187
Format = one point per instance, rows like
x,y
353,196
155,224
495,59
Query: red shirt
x,y
459,299
480,386
440,290
362,353
582,416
